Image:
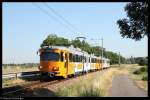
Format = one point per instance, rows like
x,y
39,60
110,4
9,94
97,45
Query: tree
x,y
136,26
52,39
141,61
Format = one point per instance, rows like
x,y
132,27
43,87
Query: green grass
x,y
84,87
91,92
80,90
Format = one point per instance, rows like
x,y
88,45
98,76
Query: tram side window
x,y
74,58
89,60
84,59
61,58
70,57
79,58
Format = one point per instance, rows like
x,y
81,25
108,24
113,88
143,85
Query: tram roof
x,y
74,50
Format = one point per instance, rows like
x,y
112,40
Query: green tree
x,y
141,61
52,39
76,43
136,26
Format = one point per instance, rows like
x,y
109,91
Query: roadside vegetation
x,y
11,82
93,86
139,74
99,85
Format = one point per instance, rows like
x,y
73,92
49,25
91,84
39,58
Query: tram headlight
x,y
40,67
55,68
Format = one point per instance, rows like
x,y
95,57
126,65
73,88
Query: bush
x,y
141,70
137,72
145,77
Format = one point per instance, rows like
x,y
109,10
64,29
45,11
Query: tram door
x,y
66,62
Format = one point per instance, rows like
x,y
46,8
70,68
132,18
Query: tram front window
x,y
49,56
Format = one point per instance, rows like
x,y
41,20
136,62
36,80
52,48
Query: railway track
x,y
19,89
22,89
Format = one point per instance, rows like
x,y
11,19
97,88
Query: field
x,y
15,69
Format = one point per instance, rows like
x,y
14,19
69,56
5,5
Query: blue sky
x,y
25,26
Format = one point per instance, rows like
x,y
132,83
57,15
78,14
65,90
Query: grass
x,y
138,73
98,85
15,69
140,76
95,85
11,82
83,87
91,92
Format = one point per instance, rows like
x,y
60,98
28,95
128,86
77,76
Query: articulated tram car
x,y
105,63
67,61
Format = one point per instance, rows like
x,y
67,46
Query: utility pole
x,y
119,59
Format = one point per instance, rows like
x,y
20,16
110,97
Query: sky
x,y
26,25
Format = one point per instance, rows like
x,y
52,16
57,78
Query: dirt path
x,y
123,86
